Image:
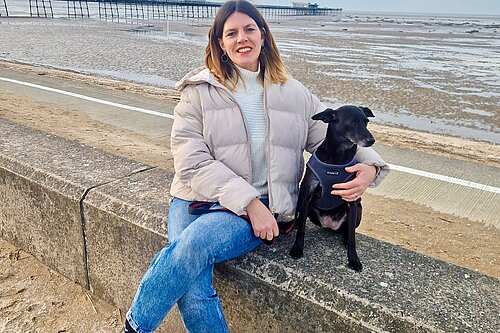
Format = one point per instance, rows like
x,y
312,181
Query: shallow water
x,y
430,74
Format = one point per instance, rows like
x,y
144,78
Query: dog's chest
x,y
327,175
331,222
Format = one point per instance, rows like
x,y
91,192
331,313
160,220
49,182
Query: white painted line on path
x,y
87,98
443,178
420,173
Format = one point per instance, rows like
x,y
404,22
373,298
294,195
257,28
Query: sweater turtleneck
x,y
250,96
249,80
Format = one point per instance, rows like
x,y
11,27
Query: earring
x,y
224,58
263,50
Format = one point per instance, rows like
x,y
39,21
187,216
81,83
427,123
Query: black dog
x,y
346,130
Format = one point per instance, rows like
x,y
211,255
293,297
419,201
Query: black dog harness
x,y
329,174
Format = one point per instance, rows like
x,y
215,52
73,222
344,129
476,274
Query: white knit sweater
x,y
250,96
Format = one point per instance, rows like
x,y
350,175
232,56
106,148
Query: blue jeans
x,y
182,272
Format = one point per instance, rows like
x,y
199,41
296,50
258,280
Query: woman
x,y
238,138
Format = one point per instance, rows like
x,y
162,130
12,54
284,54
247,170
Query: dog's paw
x,y
296,252
356,265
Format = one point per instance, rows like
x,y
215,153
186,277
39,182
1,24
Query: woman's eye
x,y
251,29
230,34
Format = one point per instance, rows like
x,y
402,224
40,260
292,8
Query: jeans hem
x,y
134,325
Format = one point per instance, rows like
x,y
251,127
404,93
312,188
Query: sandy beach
x,y
431,82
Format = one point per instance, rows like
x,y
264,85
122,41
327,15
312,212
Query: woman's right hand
x,y
263,222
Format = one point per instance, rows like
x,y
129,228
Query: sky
x,y
464,7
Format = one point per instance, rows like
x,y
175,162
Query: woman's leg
x,y
211,238
200,301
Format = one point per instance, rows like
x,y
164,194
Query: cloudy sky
x,y
474,7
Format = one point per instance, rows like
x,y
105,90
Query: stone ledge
x,y
125,222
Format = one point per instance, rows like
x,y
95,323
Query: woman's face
x,y
242,40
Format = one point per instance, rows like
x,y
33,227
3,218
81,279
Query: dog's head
x,y
348,122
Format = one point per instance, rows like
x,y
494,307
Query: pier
x,y
175,10
78,8
138,10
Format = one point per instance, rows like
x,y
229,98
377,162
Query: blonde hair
x,y
227,73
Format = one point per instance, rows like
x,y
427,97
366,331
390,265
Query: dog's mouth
x,y
367,143
363,142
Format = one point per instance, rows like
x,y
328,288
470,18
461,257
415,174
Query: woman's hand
x,y
263,222
352,190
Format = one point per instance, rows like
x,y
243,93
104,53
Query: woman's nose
x,y
242,37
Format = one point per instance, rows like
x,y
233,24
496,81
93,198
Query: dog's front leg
x,y
350,235
297,250
307,190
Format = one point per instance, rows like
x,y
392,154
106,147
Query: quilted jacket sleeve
x,y
196,167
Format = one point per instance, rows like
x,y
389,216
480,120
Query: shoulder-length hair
x,y
271,64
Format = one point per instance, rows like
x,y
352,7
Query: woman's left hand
x,y
352,190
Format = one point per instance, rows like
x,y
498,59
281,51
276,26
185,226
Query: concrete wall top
x,y
58,163
142,199
398,290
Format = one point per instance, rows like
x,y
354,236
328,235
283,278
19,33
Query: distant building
x,y
308,5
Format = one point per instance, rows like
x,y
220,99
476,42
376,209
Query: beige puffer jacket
x,y
211,149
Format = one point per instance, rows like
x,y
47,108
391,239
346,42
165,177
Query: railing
x,y
78,8
41,8
3,9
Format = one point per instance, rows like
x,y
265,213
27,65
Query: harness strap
x,y
329,174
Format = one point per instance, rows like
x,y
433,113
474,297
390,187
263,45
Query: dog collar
x,y
329,174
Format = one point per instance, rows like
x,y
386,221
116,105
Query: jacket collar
x,y
202,75
197,76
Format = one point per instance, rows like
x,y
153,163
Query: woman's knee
x,y
216,237
193,247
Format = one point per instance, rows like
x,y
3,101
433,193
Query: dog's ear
x,y
367,111
326,116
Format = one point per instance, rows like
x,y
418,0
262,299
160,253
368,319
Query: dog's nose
x,y
370,142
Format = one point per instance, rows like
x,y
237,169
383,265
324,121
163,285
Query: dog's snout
x,y
370,142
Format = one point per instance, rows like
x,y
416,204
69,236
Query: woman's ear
x,y
221,43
